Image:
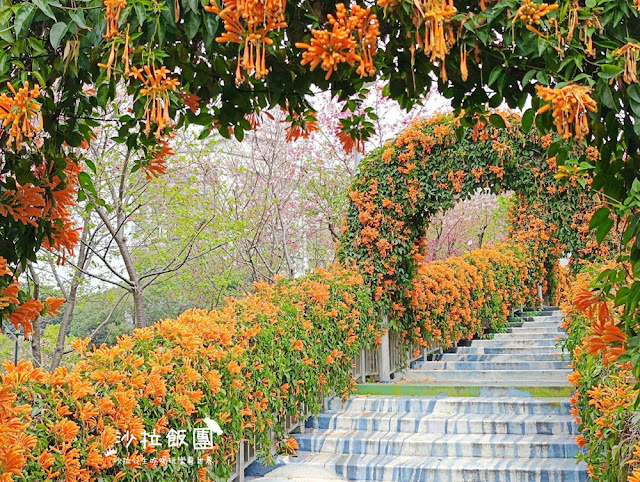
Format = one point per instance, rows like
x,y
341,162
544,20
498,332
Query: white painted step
x,y
432,469
438,445
537,356
480,376
452,422
513,364
486,405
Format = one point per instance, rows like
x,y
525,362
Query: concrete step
x,y
509,349
447,422
537,356
429,469
487,365
481,376
535,329
537,319
510,338
527,342
500,405
438,445
536,324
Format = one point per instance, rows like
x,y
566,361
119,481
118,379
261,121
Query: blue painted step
x,y
434,469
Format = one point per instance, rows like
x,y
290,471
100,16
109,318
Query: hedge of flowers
x,y
433,164
603,402
465,296
245,366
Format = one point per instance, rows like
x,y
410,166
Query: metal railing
x,y
248,450
381,363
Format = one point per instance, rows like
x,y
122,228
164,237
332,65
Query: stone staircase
x,y
506,432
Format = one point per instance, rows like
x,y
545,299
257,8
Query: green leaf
x,y
24,16
598,217
45,8
191,24
608,71
633,91
497,121
603,229
57,32
78,18
495,75
527,77
527,120
194,5
86,183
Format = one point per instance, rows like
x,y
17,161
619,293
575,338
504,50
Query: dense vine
x,y
427,169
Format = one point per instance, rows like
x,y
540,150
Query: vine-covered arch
x,y
432,165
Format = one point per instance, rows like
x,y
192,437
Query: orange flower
x,y
66,430
21,114
570,105
157,86
353,38
631,52
291,445
249,23
25,314
233,367
52,306
157,164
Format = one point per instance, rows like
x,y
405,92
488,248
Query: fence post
x,y
540,295
384,370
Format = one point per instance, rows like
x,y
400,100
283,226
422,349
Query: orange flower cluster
x,y
603,402
157,86
352,39
462,297
348,143
50,201
64,235
112,16
570,105
24,204
434,32
157,163
20,114
631,52
530,13
300,126
249,23
605,336
22,313
73,425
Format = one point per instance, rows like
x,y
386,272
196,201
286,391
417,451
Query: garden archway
x,y
432,165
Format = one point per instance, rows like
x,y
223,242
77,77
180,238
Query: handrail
x,y
393,354
248,453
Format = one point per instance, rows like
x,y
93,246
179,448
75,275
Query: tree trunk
x,y
64,324
83,257
138,302
134,277
36,341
